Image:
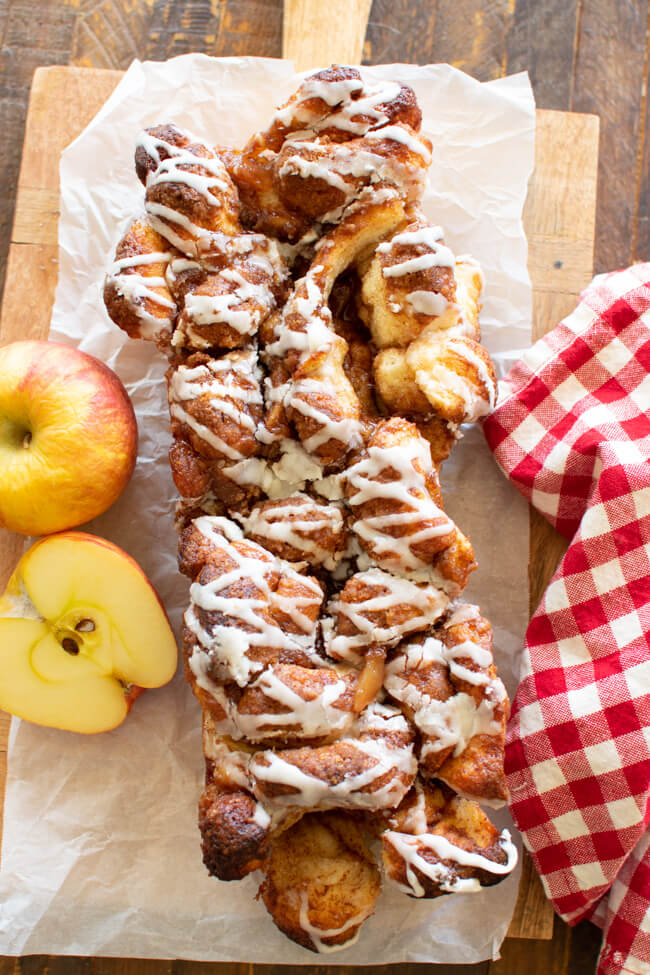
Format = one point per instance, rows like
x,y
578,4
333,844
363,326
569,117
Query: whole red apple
x,y
68,437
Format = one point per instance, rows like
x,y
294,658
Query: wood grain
x,y
400,31
542,40
611,79
309,40
641,249
487,24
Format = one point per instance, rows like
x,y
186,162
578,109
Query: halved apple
x,y
81,630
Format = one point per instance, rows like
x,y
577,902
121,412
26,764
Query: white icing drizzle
x,y
162,218
405,136
314,168
415,820
339,92
204,309
439,255
172,169
426,602
333,163
331,92
136,260
453,722
314,332
247,622
346,429
141,288
177,266
385,759
462,613
232,764
278,479
303,718
429,303
409,848
296,525
230,385
477,398
470,355
318,934
392,535
348,118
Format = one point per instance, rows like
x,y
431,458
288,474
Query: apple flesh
x,y
68,437
82,631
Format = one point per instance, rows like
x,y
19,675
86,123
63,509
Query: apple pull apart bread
x,y
324,351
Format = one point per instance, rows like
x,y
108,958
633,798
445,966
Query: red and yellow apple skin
x,y
68,437
82,633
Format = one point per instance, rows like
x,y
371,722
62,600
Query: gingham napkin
x,y
572,431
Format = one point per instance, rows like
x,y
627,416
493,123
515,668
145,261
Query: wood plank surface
x,y
309,41
554,39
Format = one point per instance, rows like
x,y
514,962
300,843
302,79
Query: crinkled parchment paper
x,y
101,848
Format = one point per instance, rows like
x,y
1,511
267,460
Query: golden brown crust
x,y
136,295
320,879
394,495
233,842
286,184
189,194
389,303
418,868
299,529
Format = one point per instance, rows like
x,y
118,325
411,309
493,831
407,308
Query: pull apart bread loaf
x,y
324,351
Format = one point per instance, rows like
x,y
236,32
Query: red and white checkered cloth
x,y
572,431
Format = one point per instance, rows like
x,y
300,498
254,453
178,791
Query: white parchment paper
x,y
100,848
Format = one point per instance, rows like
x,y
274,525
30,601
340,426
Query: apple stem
x,y
27,439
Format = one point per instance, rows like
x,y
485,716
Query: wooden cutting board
x,y
559,221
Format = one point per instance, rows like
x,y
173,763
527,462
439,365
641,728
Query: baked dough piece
x,y
441,844
409,284
300,529
456,375
394,495
373,770
428,365
224,309
306,356
216,407
335,137
235,828
189,194
447,685
376,608
247,610
136,294
321,881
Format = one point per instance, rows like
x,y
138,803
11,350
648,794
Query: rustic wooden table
x,y
582,55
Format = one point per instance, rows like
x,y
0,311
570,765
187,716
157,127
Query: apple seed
x,y
85,626
70,645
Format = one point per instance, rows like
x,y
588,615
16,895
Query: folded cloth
x,y
571,430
